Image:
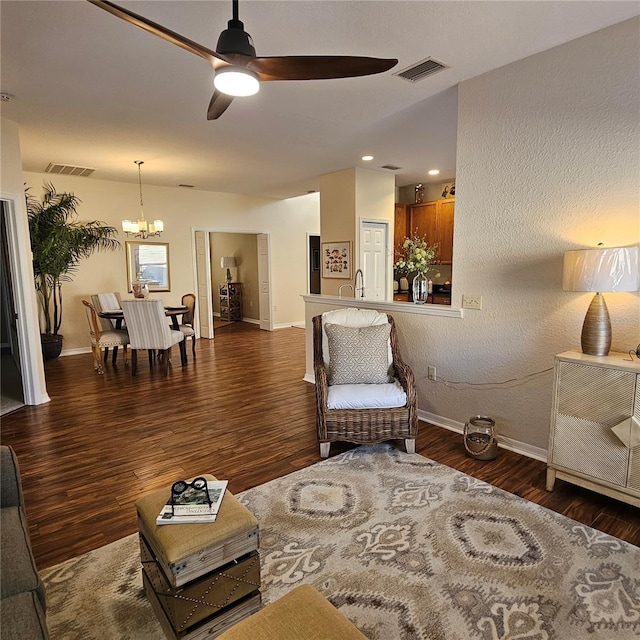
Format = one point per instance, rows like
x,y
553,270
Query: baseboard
x,y
309,377
522,448
288,325
75,352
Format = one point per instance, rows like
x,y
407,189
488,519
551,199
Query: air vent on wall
x,y
421,70
68,170
391,167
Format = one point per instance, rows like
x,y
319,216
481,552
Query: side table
x,y
200,578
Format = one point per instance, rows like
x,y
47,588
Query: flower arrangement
x,y
416,255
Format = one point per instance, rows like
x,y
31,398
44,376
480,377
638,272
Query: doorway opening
x,y
313,252
12,396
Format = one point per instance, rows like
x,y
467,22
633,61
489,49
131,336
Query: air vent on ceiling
x,y
391,167
68,170
421,70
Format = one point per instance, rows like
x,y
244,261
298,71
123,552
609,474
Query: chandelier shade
x,y
141,228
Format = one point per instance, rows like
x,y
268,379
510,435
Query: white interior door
x,y
203,278
264,279
373,259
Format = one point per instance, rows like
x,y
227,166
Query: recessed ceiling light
x,y
434,172
367,158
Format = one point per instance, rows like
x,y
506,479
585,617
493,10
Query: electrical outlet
x,y
431,373
470,301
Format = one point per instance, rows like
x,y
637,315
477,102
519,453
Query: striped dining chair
x,y
148,329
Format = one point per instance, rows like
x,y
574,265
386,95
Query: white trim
x,y
522,448
309,378
391,307
34,387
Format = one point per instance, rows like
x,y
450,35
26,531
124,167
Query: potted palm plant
x,y
58,243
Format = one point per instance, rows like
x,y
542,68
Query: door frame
x,y
388,279
209,230
34,387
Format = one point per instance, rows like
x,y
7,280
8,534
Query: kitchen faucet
x,y
341,287
359,290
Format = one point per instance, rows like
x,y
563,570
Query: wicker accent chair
x,y
186,326
364,425
103,336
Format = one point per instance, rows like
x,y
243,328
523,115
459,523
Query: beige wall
x,y
547,161
244,248
347,197
287,222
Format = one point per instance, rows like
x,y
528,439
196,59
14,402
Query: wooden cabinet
x,y
230,301
401,228
594,440
434,221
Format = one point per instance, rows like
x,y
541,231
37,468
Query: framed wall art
x,y
336,260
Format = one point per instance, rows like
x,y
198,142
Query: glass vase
x,y
420,288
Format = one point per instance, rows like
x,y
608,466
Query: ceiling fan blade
x,y
317,67
162,32
218,105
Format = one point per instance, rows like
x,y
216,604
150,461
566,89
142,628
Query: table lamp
x,y
600,270
226,263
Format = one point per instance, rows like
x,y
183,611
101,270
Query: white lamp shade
x,y
602,269
228,261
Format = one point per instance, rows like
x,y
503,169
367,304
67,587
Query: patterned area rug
x,y
406,548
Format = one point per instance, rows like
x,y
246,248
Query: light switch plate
x,y
470,301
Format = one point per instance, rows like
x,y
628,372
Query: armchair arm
x,y
10,484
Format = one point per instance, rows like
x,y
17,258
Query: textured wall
x,y
547,160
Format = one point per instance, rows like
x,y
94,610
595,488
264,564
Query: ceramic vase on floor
x,y
420,288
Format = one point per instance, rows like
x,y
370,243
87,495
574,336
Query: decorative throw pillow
x,y
358,355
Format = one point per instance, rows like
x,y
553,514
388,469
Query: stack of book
x,y
193,506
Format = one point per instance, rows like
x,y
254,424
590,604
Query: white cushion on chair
x,y
366,396
351,317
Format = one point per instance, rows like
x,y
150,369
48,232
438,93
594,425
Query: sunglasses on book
x,y
196,491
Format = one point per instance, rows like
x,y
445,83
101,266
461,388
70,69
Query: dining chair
x,y
187,326
148,329
103,338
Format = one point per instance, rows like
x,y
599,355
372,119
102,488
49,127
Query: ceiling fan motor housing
x,y
235,40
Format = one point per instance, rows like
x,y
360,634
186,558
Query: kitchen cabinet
x,y
401,228
230,301
434,221
594,441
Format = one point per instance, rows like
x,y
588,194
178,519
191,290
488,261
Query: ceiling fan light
x,y
236,81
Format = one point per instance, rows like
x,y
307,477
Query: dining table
x,y
170,312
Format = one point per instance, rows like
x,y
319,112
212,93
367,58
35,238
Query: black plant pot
x,y
51,346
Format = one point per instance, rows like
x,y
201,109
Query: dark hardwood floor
x,y
241,411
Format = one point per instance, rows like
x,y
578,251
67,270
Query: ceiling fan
x,y
238,71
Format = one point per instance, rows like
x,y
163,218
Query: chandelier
x,y
141,228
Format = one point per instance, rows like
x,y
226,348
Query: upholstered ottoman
x,y
199,578
302,614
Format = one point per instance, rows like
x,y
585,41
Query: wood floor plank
x,y
241,411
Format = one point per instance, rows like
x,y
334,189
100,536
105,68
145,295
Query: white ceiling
x,y
94,91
